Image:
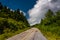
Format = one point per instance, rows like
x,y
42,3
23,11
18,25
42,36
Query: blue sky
x,y
36,10
23,5
40,8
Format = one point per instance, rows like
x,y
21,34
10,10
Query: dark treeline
x,y
52,18
11,20
5,12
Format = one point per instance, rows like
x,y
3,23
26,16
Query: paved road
x,y
31,34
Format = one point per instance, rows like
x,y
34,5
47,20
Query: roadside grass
x,y
14,27
50,32
10,34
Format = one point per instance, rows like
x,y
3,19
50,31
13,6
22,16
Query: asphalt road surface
x,y
31,34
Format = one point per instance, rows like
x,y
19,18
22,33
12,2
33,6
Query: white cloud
x,y
23,12
40,8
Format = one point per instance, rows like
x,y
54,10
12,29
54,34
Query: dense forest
x,y
14,22
11,22
50,25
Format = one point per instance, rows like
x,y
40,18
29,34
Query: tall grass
x,y
51,32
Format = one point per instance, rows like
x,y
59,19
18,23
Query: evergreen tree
x,y
1,6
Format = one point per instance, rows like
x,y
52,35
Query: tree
x,y
49,14
1,6
48,18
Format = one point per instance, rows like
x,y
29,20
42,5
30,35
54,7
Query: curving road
x,y
31,34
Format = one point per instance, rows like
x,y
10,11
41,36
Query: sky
x,y
40,8
23,5
34,9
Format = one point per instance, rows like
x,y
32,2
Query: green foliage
x,y
16,15
49,14
11,22
7,35
50,25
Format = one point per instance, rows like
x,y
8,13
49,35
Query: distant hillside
x,y
11,21
50,25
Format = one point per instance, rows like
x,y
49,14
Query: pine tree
x,y
1,6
